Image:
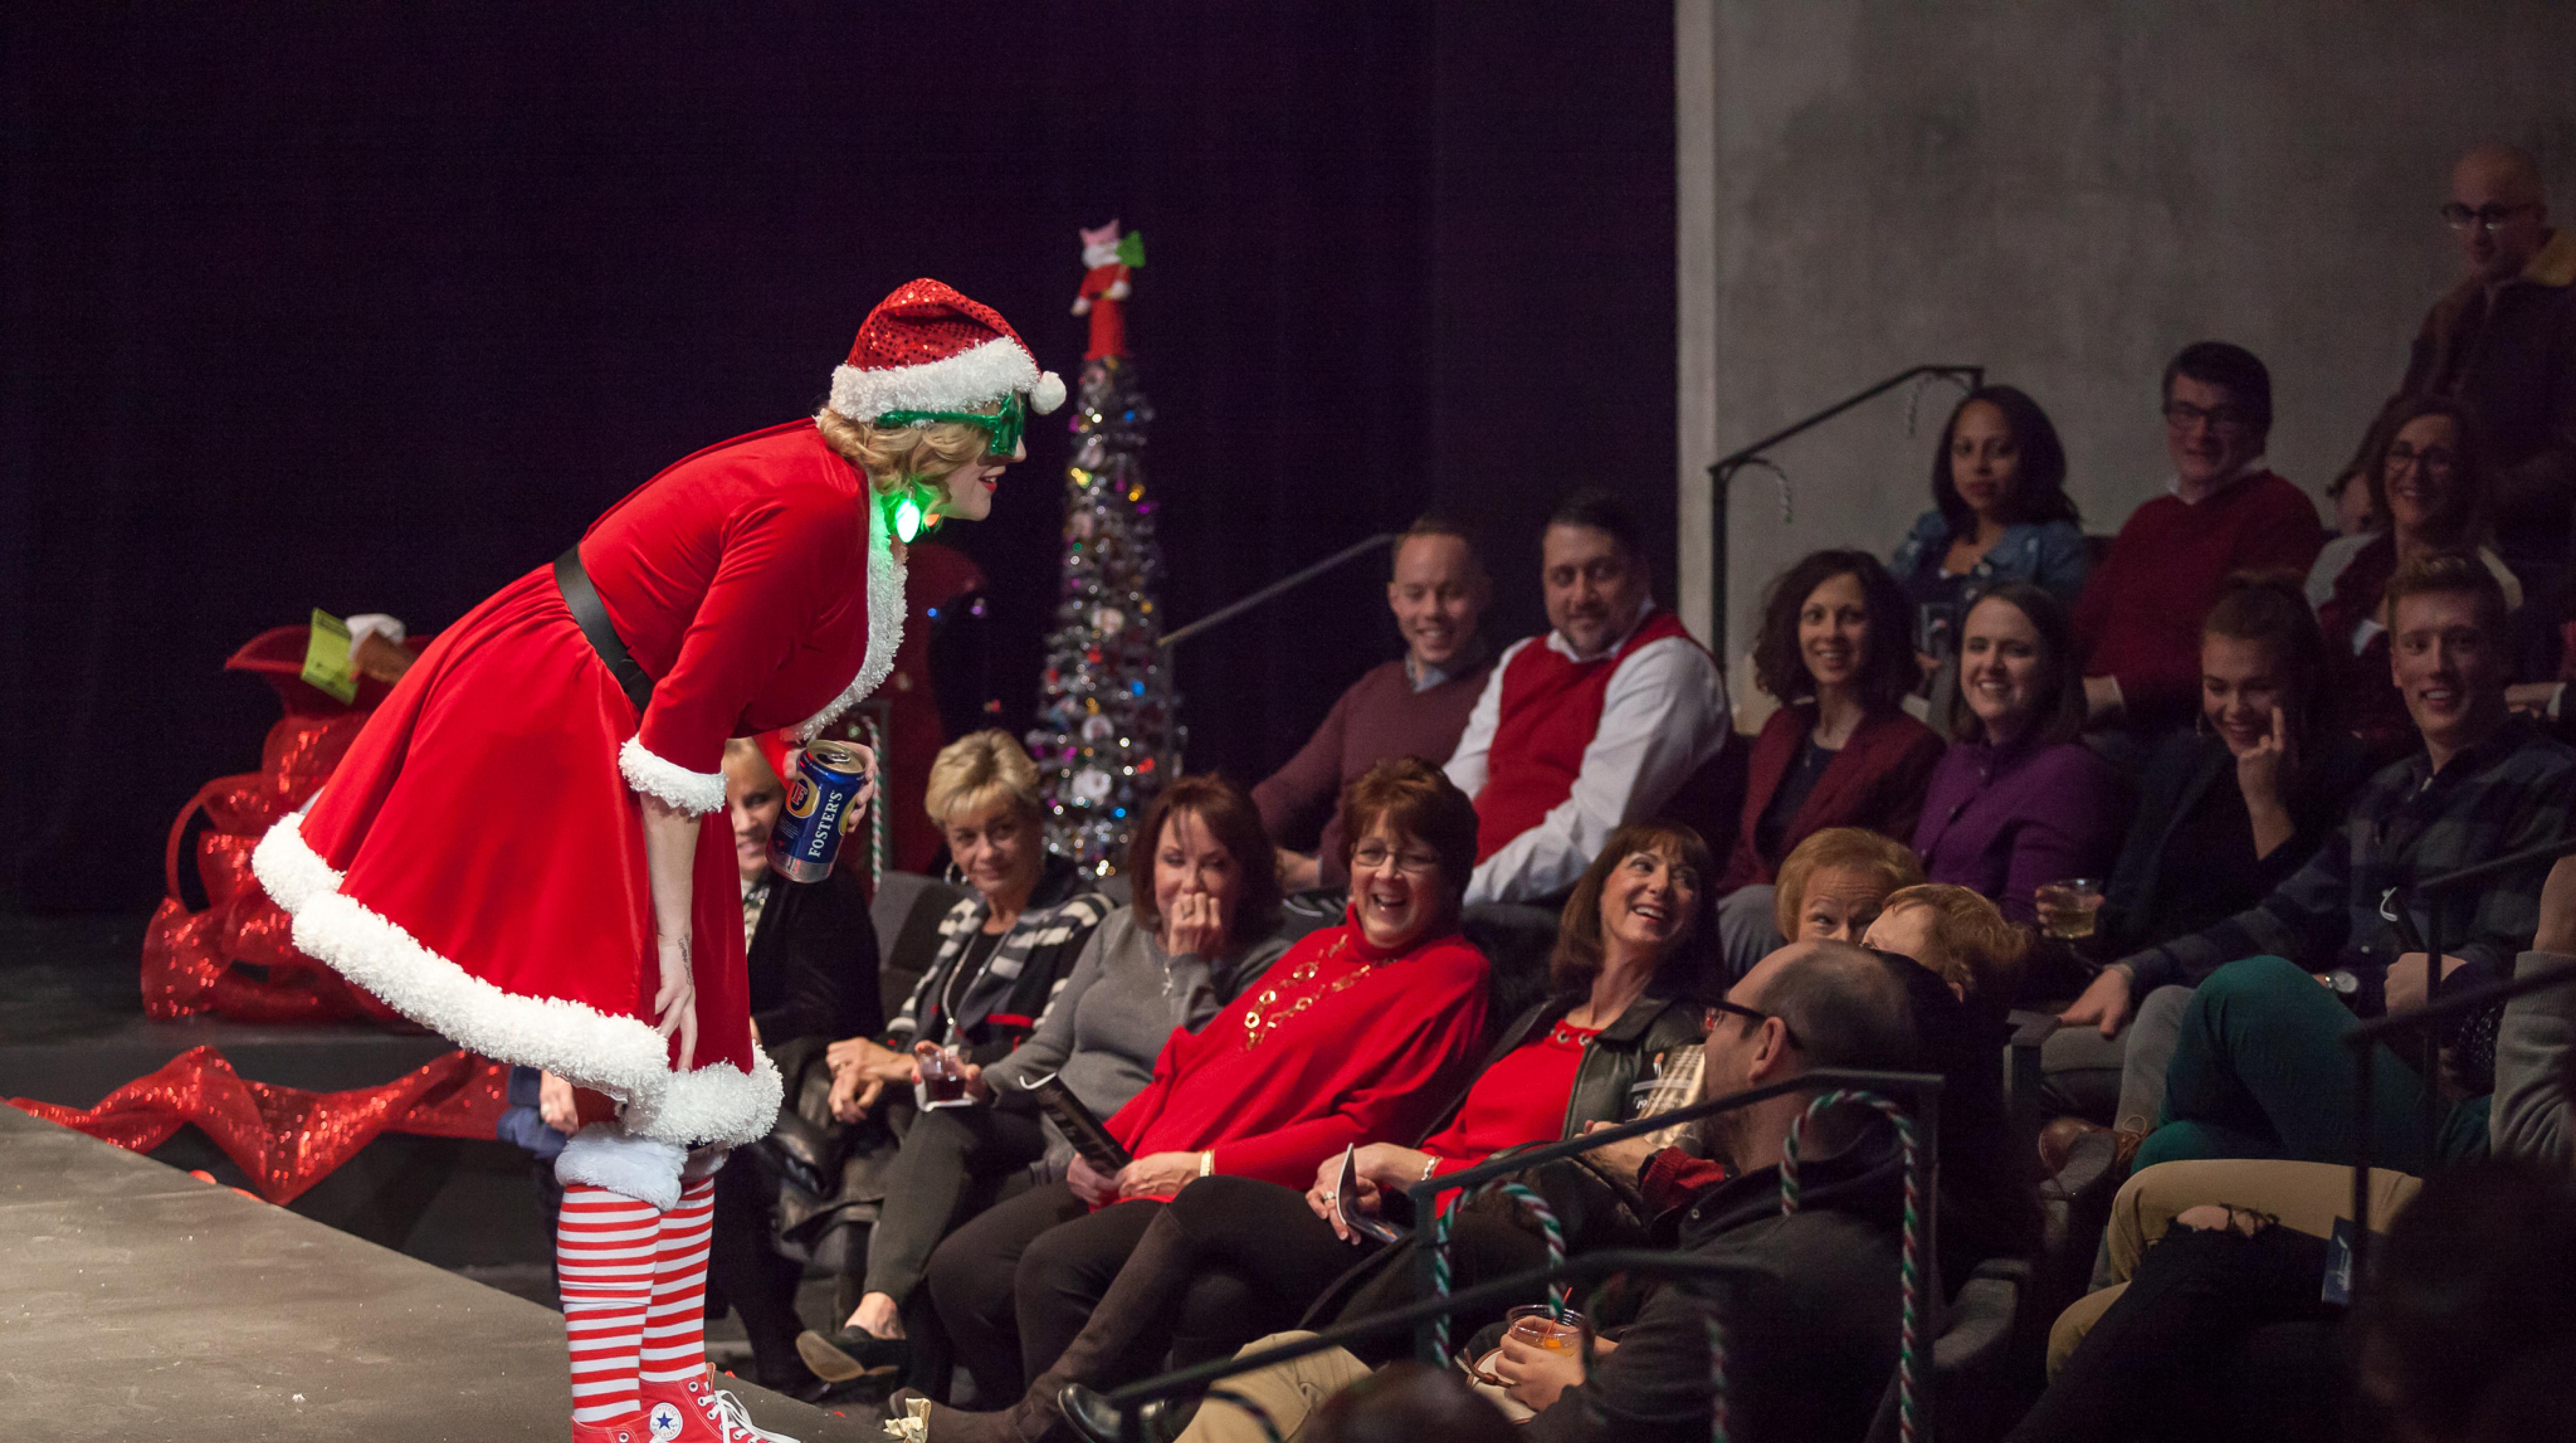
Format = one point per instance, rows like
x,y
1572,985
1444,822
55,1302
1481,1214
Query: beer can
x,y
823,807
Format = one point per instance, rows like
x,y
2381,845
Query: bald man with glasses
x,y
2504,342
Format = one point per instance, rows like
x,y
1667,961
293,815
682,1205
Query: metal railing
x,y
1721,472
1290,582
2397,907
1922,1092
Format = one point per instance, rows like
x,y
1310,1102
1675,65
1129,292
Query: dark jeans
x,y
746,1272
951,1166
2261,1070
2219,1336
1013,1286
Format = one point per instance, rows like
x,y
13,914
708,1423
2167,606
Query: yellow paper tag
x,y
326,657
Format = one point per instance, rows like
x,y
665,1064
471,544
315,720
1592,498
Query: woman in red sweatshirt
x,y
1234,1258
1358,1033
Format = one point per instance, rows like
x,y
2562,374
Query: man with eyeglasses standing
x,y
2503,341
2138,621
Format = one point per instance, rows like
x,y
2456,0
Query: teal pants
x,y
2261,1070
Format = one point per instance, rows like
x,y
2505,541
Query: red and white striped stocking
x,y
605,1248
675,1341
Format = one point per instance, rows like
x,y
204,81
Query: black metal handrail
x,y
1721,472
1922,1090
2398,906
1290,582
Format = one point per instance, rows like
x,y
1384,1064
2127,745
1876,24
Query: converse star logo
x,y
664,1422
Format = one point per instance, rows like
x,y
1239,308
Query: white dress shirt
x,y
1664,716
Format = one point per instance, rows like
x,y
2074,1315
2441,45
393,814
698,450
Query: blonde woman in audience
x,y
1832,883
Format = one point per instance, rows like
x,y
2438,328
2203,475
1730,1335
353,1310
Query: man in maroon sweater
x,y
2139,618
1415,706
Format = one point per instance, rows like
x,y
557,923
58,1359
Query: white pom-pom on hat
x,y
1047,394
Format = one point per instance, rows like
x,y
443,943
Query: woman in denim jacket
x,y
2000,513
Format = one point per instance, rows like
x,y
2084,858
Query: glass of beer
x,y
1541,1325
943,1077
2066,908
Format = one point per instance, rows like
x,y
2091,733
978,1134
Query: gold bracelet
x,y
1207,1163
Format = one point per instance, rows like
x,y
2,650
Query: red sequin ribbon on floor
x,y
288,1139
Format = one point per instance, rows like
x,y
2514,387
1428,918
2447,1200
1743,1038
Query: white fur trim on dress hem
x,y
696,793
885,628
974,377
619,1056
643,1168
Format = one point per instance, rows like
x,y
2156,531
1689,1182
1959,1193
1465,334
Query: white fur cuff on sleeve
x,y
696,793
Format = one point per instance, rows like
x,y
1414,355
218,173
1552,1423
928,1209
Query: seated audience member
x,y
1357,1034
1201,929
1594,725
2226,812
1829,890
1840,751
2017,800
1999,513
2138,624
1959,936
2462,1330
2428,478
1003,951
2485,784
1809,1301
1622,1002
1413,707
2356,512
2503,343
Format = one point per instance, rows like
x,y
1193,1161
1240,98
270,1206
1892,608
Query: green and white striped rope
x,y
1548,1226
1910,1335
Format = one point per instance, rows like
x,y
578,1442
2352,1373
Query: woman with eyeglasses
x,y
1201,929
2428,477
1233,1258
1357,1033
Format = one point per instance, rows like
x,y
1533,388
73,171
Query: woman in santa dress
x,y
525,850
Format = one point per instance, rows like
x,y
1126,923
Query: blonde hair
x,y
1891,861
745,751
891,455
1980,951
978,771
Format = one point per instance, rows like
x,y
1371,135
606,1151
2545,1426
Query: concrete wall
x,y
2068,192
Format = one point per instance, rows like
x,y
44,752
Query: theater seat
x,y
906,913
1977,1390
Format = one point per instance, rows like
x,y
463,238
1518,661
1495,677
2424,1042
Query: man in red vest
x,y
1595,724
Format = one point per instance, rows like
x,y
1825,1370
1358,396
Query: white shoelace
x,y
737,1419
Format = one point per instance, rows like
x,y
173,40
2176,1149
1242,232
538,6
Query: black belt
x,y
592,617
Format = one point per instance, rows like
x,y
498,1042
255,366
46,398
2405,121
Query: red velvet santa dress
x,y
477,860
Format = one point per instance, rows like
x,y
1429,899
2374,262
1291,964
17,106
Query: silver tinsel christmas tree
x,y
1108,732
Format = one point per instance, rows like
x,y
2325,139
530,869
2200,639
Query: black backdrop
x,y
371,307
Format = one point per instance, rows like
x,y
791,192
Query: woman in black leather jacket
x,y
1233,1258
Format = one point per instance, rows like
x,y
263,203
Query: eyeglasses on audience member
x,y
2490,217
1376,854
1754,1015
2183,415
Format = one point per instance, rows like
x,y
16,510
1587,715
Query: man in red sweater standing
x,y
1595,724
2139,618
1412,707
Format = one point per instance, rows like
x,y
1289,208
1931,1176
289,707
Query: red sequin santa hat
x,y
927,348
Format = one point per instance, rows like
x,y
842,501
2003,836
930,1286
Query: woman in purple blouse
x,y
2018,800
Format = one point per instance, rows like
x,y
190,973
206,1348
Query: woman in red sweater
x,y
1234,1258
1840,751
1356,1034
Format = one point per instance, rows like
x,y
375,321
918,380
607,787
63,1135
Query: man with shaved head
x,y
2504,342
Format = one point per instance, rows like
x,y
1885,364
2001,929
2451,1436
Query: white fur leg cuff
x,y
696,793
645,1169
